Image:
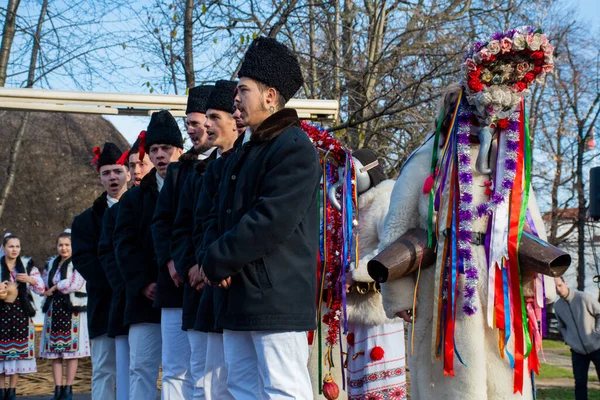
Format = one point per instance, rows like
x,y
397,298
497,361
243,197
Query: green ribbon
x,y
522,217
434,160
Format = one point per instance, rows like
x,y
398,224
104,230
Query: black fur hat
x,y
273,64
163,129
197,97
108,156
221,97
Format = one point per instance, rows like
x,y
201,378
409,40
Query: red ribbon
x,y
97,153
124,157
499,298
142,139
513,261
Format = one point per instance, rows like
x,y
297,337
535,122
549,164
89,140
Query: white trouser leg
x,y
176,377
283,364
122,351
243,381
103,368
197,341
215,379
144,361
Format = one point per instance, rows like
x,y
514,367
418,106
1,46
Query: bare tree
x,y
8,35
16,146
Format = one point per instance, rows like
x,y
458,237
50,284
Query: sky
x,y
130,127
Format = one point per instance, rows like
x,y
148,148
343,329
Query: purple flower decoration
x,y
465,236
507,184
510,164
469,291
512,145
467,197
465,177
472,273
464,158
469,310
465,215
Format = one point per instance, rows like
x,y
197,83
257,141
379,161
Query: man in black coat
x,y
262,234
106,252
208,370
85,236
136,258
177,379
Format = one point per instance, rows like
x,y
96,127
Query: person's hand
x,y
150,291
3,286
406,315
196,277
225,283
23,278
174,275
50,291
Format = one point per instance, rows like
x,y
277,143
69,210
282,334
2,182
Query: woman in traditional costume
x,y
18,276
65,334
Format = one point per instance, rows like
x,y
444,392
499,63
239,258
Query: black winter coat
x,y
85,234
167,294
182,247
134,249
263,230
106,252
205,316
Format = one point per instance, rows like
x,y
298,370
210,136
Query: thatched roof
x,y
54,179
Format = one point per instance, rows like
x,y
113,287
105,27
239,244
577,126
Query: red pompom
x,y
502,123
350,339
428,185
377,353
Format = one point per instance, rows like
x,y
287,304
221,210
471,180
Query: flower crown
x,y
498,73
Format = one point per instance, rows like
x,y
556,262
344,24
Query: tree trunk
x,y
188,36
8,34
11,170
581,214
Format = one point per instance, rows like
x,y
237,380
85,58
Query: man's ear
x,y
271,97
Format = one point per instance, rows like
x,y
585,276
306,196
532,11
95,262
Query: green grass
x,y
564,393
554,344
548,371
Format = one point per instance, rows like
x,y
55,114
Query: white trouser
x,y
144,361
215,378
197,341
103,368
267,364
176,377
122,350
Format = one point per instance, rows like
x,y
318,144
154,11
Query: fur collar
x,y
100,204
149,181
189,156
271,127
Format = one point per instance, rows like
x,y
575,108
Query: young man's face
x,y
221,129
114,178
162,155
138,168
194,125
239,122
252,102
561,287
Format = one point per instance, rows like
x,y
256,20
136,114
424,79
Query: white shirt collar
x,y
111,201
247,135
160,181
